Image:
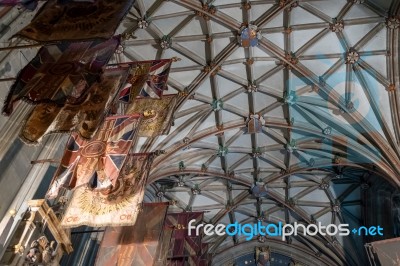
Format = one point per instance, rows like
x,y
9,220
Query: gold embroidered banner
x,y
117,206
157,114
83,118
134,245
61,73
98,161
148,79
70,21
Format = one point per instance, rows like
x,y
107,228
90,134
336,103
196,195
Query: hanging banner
x,y
117,205
97,162
84,118
61,73
148,79
76,20
134,245
181,248
203,260
157,114
182,244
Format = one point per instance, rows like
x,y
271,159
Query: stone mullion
x,y
393,74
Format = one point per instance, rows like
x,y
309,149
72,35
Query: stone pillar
x,y
38,238
52,148
379,209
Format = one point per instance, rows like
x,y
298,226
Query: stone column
x,y
38,238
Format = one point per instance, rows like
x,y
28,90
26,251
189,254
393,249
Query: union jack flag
x,y
98,161
147,79
183,245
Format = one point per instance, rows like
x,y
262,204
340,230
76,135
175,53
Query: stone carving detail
x,y
249,36
393,22
222,151
290,98
120,49
160,194
143,23
246,5
291,59
196,190
336,207
324,185
166,42
254,123
181,182
259,190
327,131
252,87
352,56
217,104
206,10
291,146
261,239
263,255
41,252
337,26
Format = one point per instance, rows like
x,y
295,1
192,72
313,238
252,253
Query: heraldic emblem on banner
x,y
147,79
96,163
84,118
61,73
157,114
117,205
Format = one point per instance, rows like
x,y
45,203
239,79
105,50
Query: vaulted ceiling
x,y
325,79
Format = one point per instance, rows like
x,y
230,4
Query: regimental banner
x,y
76,20
183,245
157,114
84,118
148,79
200,260
134,245
118,205
61,73
97,162
203,260
28,4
